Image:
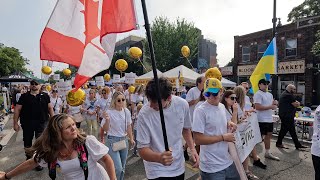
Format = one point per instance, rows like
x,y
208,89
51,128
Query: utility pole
x,y
275,76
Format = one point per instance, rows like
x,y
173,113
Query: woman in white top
x,y
68,152
90,113
137,97
117,123
102,106
55,101
75,111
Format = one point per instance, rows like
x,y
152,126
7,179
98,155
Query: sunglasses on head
x,y
208,94
119,100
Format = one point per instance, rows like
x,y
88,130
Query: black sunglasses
x,y
119,100
34,84
233,98
208,94
54,91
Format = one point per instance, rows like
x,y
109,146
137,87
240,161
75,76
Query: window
x,y
261,49
245,54
291,47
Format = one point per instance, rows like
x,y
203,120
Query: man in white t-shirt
x,y
55,101
212,131
158,162
315,148
264,104
192,98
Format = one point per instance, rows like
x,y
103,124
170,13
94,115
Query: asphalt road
x,y
294,165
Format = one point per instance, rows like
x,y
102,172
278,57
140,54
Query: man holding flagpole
x,y
263,100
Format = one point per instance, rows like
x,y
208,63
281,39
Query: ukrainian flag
x,y
267,65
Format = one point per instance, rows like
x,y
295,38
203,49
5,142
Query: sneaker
x,y
38,168
259,164
250,176
186,155
271,156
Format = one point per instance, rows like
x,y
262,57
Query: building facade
x,y
296,63
130,41
207,55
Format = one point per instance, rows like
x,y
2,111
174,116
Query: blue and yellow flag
x,y
267,65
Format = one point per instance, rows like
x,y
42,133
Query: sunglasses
x,y
119,100
265,83
208,94
33,84
54,91
247,88
103,93
233,98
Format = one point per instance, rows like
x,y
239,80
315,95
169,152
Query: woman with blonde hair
x,y
90,113
117,124
63,149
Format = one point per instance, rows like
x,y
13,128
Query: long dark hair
x,y
226,94
201,97
47,146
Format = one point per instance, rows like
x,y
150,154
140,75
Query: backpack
x,y
81,150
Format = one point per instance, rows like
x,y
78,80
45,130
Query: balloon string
x,y
190,63
142,65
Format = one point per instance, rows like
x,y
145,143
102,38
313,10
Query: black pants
x,y
29,131
287,124
181,177
316,166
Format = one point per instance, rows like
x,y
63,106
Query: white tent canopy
x,y
189,76
149,75
225,82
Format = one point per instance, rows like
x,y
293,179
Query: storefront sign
x,y
291,67
225,71
246,70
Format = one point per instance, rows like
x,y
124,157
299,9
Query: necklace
x,y
66,155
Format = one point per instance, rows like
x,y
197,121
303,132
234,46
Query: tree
x,y
168,38
306,9
231,62
11,60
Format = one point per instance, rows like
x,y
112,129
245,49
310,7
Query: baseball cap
x,y
34,81
212,85
263,81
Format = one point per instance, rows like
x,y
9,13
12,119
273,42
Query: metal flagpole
x,y
154,68
275,76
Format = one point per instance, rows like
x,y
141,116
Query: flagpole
x,y
154,68
275,76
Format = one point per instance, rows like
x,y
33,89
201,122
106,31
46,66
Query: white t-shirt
x,y
126,94
71,170
136,98
229,113
315,148
118,119
265,99
211,120
198,104
90,106
56,106
149,134
103,104
73,109
248,104
193,94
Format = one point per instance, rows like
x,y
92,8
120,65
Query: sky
x,y
22,22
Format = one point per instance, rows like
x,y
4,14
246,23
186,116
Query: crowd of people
x,y
206,117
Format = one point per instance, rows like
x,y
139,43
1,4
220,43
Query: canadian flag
x,y
82,33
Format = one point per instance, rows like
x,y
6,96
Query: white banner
x,y
56,77
63,88
247,136
116,78
130,78
99,81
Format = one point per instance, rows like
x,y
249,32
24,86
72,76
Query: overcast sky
x,y
22,21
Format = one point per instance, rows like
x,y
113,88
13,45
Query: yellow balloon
x,y
131,89
107,77
67,72
185,51
213,73
46,70
48,88
135,52
121,65
76,98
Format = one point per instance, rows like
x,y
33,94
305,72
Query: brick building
x,y
296,63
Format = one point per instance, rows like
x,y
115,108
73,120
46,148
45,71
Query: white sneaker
x,y
271,156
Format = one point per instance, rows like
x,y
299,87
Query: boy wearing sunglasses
x,y
212,131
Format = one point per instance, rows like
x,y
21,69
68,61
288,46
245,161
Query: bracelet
x,y
5,176
222,138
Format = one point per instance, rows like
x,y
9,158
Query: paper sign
x,y
99,81
63,87
56,77
130,78
116,78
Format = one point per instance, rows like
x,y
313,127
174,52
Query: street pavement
x,y
294,165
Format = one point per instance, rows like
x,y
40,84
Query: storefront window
x,y
261,49
291,47
245,54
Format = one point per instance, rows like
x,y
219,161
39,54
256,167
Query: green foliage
x,y
231,62
306,9
316,46
11,60
168,38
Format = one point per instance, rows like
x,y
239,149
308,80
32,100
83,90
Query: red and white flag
x,y
82,33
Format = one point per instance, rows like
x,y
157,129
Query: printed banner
x,y
63,88
247,136
99,81
116,78
130,78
